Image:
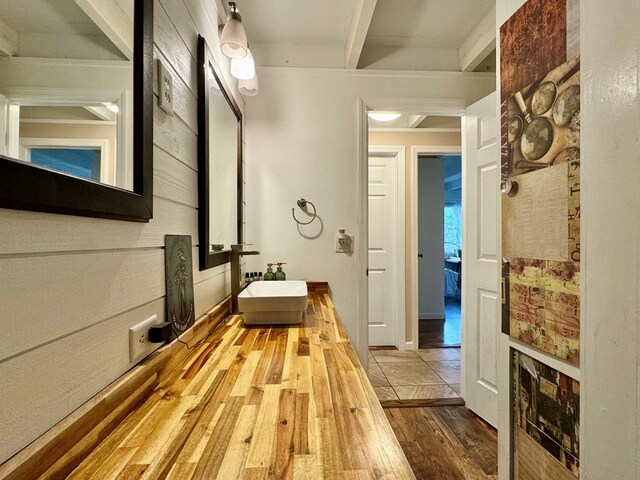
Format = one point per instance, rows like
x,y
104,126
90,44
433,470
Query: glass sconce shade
x,y
243,68
249,88
233,41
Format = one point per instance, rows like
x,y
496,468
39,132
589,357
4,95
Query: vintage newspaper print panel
x,y
540,95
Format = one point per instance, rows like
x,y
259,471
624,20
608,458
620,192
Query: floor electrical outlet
x,y
139,344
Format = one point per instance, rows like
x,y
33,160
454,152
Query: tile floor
x,y
415,375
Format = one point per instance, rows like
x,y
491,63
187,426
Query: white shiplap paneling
x,y
70,287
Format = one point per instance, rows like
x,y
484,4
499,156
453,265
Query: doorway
x,y
440,250
399,370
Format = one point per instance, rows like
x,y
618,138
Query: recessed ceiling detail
x,y
423,35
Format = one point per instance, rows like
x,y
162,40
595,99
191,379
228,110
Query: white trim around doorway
x,y
430,106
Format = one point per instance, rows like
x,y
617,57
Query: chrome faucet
x,y
237,252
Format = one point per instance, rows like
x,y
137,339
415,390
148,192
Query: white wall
x,y
70,287
431,238
302,141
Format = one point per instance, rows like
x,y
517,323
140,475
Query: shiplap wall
x,y
70,287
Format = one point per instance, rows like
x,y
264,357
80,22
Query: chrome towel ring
x,y
302,203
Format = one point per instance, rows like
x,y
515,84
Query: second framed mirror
x,y
219,163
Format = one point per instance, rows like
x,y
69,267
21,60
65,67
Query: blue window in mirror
x,y
79,162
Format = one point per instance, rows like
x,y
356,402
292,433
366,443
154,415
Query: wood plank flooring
x,y
446,443
440,333
252,402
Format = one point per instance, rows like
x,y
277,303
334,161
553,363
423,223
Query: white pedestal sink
x,y
273,302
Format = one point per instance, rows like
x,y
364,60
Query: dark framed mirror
x,y
76,109
219,163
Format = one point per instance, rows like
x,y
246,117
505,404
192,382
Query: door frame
x,y
412,228
454,107
396,151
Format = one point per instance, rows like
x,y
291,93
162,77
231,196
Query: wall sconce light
x,y
233,40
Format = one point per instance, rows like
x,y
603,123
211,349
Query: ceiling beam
x,y
103,113
8,40
113,22
479,43
415,120
360,21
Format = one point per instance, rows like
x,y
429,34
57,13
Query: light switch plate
x,y
139,344
165,88
344,245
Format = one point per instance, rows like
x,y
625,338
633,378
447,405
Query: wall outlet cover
x,y
165,89
139,344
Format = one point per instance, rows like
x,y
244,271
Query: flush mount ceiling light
x,y
384,116
112,107
233,41
249,88
243,68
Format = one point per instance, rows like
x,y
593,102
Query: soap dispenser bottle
x,y
280,275
269,275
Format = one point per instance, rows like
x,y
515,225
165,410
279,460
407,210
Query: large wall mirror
x,y
219,163
76,107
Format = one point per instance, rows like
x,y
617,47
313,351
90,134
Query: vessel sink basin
x,y
273,302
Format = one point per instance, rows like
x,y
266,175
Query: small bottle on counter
x,y
260,276
280,275
247,279
269,275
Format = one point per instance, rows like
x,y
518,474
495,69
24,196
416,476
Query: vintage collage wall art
x,y
540,163
546,420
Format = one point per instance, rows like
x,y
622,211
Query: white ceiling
x,y
389,34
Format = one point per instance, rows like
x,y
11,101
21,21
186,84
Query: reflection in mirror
x,y
223,168
76,107
66,87
219,164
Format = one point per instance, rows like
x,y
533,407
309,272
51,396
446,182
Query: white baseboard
x,y
431,316
408,346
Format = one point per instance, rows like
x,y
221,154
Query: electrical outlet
x,y
139,344
165,89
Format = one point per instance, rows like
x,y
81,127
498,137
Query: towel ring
x,y
302,203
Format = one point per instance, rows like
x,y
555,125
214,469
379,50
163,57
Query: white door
x,y
480,267
382,249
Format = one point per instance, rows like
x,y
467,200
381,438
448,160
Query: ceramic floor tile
x,y
410,374
419,392
376,377
455,387
449,371
396,356
385,393
439,354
